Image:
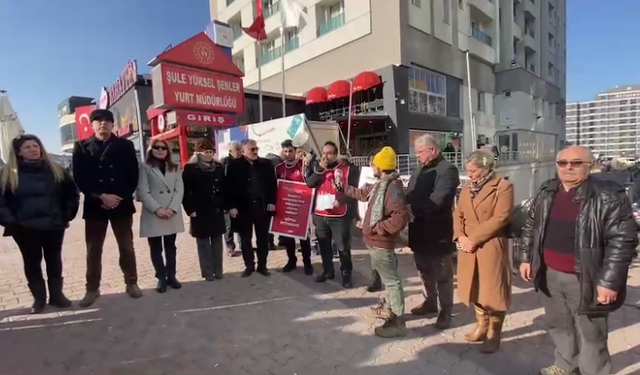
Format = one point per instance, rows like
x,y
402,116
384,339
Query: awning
x,y
155,112
365,81
339,89
316,95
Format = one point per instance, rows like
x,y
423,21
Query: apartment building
x,y
512,85
609,124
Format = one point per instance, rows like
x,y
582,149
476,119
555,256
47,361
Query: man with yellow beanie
x,y
386,216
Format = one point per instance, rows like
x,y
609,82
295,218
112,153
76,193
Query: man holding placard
x,y
292,169
334,212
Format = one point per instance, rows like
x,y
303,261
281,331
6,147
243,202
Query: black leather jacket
x,y
606,240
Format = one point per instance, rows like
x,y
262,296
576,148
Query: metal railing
x,y
271,9
407,163
481,36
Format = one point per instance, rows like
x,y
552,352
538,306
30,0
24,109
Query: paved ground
x,y
282,325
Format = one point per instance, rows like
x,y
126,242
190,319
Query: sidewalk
x,y
282,325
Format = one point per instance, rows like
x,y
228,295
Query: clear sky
x,y
52,49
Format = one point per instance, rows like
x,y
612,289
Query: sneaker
x,y
133,290
89,298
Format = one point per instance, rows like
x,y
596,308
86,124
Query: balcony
x,y
270,55
532,8
479,35
271,9
237,32
482,9
229,2
291,44
332,24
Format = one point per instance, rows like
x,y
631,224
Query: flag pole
x,y
260,108
282,52
349,116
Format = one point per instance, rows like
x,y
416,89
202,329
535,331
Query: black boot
x,y
56,296
375,283
39,292
346,280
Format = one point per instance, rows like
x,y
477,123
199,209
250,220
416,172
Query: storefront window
x,y
427,92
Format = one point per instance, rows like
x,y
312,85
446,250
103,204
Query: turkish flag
x,y
257,30
84,129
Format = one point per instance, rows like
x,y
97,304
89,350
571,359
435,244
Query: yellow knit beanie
x,y
386,159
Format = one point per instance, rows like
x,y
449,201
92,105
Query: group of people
x,y
579,237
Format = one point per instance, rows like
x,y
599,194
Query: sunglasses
x,y
160,148
572,163
254,149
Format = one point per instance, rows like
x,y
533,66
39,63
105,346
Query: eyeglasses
x,y
254,149
160,148
572,163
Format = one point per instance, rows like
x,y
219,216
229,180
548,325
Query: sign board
x,y
181,87
162,123
187,117
293,210
103,101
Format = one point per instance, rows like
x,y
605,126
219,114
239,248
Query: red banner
x,y
293,210
180,87
84,129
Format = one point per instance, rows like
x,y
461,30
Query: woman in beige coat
x,y
480,232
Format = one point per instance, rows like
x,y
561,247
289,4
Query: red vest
x,y
294,172
327,187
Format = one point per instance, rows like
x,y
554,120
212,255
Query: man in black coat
x,y
105,168
430,195
578,242
251,194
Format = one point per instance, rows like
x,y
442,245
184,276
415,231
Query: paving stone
x,y
283,325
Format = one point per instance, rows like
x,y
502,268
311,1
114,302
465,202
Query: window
x,y
427,92
552,11
552,72
552,41
461,4
480,107
416,3
68,133
335,10
239,61
447,11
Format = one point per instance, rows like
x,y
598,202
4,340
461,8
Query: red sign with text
x,y
181,87
186,117
293,210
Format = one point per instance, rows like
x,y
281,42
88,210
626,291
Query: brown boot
x,y
394,326
482,322
491,342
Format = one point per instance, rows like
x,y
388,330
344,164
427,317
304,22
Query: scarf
x,y
204,166
475,187
377,208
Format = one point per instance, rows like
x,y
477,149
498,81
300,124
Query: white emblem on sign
x,y
103,102
203,52
161,123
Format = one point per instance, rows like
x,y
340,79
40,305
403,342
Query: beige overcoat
x,y
484,277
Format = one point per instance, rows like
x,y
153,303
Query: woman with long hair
x,y
160,189
38,200
480,226
204,202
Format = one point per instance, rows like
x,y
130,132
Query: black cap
x,y
287,143
101,114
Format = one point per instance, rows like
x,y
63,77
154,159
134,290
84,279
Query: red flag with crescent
x,y
84,129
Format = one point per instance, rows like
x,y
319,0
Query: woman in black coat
x,y
204,202
38,199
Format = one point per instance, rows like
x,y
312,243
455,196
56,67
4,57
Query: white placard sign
x,y
366,177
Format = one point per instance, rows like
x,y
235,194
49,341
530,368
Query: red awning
x,y
338,89
316,95
365,81
155,112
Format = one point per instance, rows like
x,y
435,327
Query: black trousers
x,y
334,231
163,270
290,246
34,245
255,219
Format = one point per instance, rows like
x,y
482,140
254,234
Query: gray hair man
x,y
235,152
579,240
430,195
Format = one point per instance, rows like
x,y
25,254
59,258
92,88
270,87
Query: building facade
x,y
512,81
609,124
67,120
